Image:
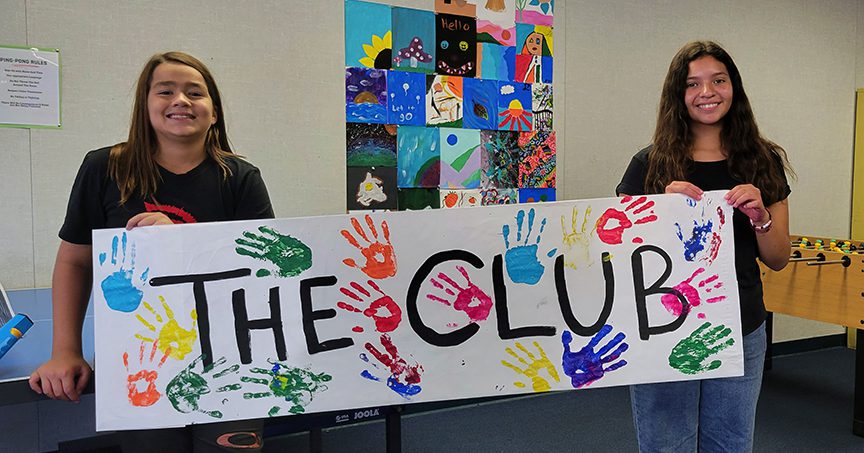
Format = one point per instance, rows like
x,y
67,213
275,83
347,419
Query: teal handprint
x,y
296,385
521,260
290,255
186,389
689,356
121,289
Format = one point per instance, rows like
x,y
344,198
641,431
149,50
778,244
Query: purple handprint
x,y
470,299
587,366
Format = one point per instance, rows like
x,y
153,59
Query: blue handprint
x,y
521,260
703,235
697,240
119,288
587,366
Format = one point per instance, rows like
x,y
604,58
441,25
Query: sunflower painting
x,y
368,38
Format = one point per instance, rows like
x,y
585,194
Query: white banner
x,y
222,321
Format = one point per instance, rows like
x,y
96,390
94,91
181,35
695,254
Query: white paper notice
x,y
29,87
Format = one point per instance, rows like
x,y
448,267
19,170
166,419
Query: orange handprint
x,y
380,258
145,378
614,235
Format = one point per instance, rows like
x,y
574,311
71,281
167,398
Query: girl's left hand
x,y
748,199
148,219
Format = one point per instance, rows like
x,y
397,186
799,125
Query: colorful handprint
x,y
692,294
122,290
621,220
586,365
404,379
469,298
577,239
521,260
186,389
383,310
380,257
703,241
296,386
172,338
290,256
689,356
141,384
531,367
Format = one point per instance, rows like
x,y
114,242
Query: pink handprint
x,y
708,285
380,258
383,310
614,235
470,299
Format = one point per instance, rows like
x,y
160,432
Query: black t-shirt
x,y
715,176
200,195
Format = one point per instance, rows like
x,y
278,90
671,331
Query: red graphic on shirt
x,y
177,215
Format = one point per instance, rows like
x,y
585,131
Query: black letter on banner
x,y
504,330
564,299
198,281
429,335
310,316
242,325
642,293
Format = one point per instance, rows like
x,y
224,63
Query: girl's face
x,y
178,104
534,44
709,91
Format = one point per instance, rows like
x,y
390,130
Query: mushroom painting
x,y
414,53
413,40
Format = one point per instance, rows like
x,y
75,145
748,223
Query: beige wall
x,y
280,70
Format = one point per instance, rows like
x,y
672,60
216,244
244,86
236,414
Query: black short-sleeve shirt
x,y
200,195
716,176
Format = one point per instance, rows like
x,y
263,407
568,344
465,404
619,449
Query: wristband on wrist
x,y
765,227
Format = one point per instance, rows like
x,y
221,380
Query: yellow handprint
x,y
533,368
173,340
577,239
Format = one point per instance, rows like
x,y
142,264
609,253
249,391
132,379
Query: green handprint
x,y
186,389
296,385
290,255
690,354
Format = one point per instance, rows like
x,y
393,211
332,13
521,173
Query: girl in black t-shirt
x,y
175,167
706,138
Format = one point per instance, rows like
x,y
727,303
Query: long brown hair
x,y
751,158
131,163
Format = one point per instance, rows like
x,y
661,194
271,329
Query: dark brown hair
x,y
131,163
751,158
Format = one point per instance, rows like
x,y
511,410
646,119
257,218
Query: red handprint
x,y
144,377
471,299
614,235
674,306
399,368
380,259
382,310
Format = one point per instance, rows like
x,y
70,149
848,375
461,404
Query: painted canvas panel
x,y
533,69
496,62
371,188
407,103
492,197
444,100
538,12
481,104
413,40
541,106
534,40
418,156
499,159
370,145
496,22
460,158
514,106
418,199
365,95
368,38
536,195
458,7
456,41
537,159
460,198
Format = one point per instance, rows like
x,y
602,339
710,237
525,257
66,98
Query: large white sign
x,y
29,87
222,321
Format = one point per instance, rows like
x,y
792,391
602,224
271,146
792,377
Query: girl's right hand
x,y
148,219
686,188
62,378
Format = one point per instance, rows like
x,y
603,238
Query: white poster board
x,y
222,321
29,87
